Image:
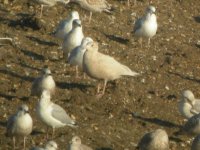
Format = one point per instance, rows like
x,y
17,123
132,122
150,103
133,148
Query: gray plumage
x,y
73,39
146,26
52,114
196,143
156,140
44,82
50,145
20,124
192,126
65,26
189,105
77,145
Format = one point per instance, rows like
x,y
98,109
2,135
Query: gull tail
x,y
128,72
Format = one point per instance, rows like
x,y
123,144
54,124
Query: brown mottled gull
x,y
103,67
94,5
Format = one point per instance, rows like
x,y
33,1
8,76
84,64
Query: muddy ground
x,y
131,106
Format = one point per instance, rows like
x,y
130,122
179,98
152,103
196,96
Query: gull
x,y
196,143
50,145
103,67
20,124
51,114
189,105
73,39
93,6
44,82
76,144
146,26
49,3
192,126
76,55
65,26
156,140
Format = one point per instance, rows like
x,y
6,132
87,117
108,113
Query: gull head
x,y
74,15
23,109
51,145
188,96
92,46
76,140
46,71
45,94
76,23
151,10
86,41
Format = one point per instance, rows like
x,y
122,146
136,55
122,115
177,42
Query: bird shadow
x,y
185,77
157,121
13,74
197,19
8,97
25,21
104,148
42,42
117,38
175,139
64,85
3,123
32,54
36,132
27,66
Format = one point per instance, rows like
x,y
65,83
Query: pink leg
x,y
14,143
77,76
24,143
104,87
53,130
90,17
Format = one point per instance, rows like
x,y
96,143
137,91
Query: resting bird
x,y
76,144
103,67
93,6
20,124
156,140
50,145
189,105
65,26
76,55
146,26
44,82
51,114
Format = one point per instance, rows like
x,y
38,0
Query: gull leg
x,y
128,3
53,130
98,88
24,143
14,143
77,76
41,9
140,41
84,75
104,87
90,17
47,136
149,40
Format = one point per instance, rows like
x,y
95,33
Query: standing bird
x,y
76,144
44,82
20,124
49,3
73,39
156,140
196,143
93,6
103,67
52,115
146,26
188,105
76,56
50,145
65,26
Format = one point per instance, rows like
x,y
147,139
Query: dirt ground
x,y
131,106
